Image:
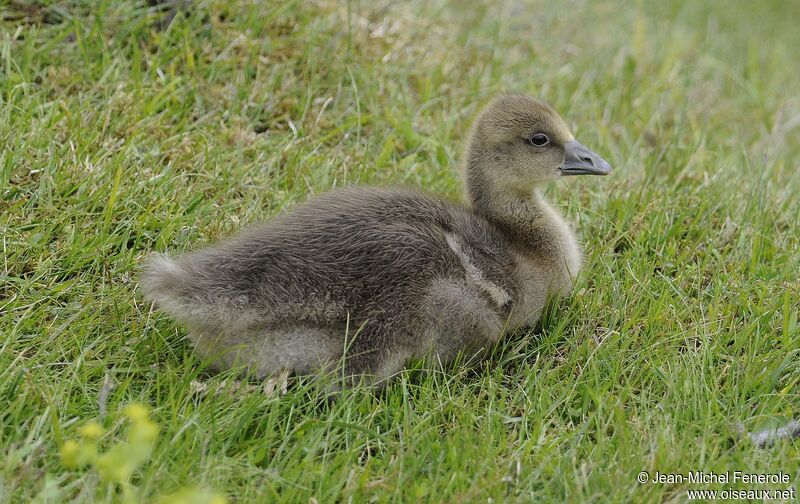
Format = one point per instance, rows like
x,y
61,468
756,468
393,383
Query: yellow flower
x,y
117,464
148,430
143,432
70,451
91,430
136,412
193,496
114,466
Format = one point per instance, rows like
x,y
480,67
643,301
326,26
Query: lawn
x,y
122,134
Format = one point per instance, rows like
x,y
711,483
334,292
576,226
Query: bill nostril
x,y
588,160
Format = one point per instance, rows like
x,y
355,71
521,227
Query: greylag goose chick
x,y
369,278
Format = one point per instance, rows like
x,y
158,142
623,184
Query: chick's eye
x,y
539,140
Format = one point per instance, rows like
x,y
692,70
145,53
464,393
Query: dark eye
x,y
539,140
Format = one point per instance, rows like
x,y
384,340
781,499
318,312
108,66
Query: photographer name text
x,y
720,477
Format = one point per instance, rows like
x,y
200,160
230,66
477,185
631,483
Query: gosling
x,y
369,278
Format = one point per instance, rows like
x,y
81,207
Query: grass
x,y
119,139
